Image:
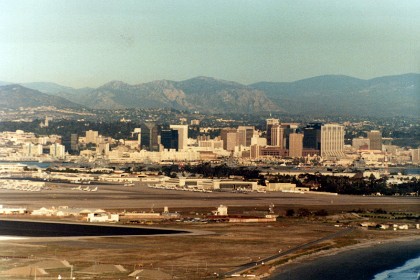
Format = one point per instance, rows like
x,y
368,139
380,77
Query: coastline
x,y
361,261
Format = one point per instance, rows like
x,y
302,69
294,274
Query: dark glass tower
x,y
312,136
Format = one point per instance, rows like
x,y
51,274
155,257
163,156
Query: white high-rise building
x,y
332,140
182,135
57,150
32,150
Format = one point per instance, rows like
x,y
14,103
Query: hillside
x,y
322,95
343,95
203,94
15,96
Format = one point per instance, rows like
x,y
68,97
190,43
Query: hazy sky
x,y
88,43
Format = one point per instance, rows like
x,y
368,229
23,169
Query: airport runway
x,y
125,197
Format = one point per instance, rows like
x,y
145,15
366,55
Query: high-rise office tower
x,y
149,136
223,135
30,149
71,143
246,133
269,125
295,144
74,142
375,139
169,139
360,143
415,155
332,140
312,136
288,128
182,135
57,150
231,140
240,137
91,136
277,136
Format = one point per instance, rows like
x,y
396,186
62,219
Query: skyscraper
x,y
74,142
295,144
240,137
375,139
149,136
57,150
277,136
415,155
248,132
169,139
287,129
182,135
223,135
269,125
71,143
332,140
91,136
231,140
30,149
312,136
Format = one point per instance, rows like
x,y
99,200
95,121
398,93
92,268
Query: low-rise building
x,y
102,217
286,187
12,210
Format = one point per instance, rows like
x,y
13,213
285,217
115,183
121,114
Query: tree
x,y
321,212
303,212
290,213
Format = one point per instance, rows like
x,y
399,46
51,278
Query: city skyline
x,y
82,44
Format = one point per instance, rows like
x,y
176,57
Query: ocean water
x,y
409,271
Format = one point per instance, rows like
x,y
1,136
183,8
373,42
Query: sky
x,y
83,43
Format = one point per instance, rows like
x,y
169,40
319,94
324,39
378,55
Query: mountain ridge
x,y
14,96
326,94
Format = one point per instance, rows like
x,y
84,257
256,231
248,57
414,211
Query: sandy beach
x,y
358,262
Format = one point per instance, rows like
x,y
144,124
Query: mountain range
x,y
326,95
14,96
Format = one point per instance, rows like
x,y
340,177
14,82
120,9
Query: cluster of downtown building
x,y
152,143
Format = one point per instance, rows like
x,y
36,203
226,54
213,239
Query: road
x,y
250,265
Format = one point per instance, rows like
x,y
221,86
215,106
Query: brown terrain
x,y
223,248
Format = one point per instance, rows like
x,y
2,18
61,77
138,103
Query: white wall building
x,y
332,141
102,217
12,210
182,135
32,150
57,151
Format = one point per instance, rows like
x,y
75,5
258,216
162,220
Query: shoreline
x,y
360,261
